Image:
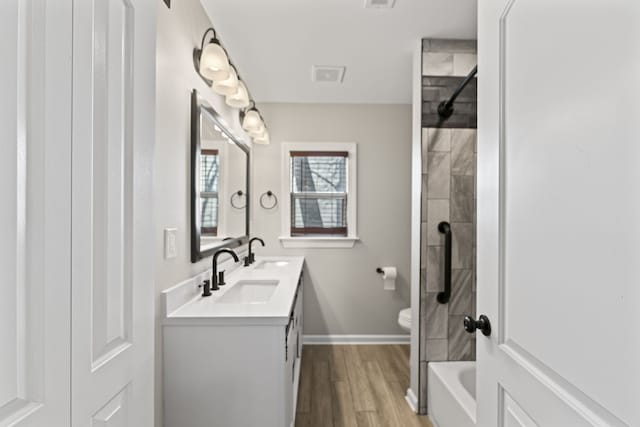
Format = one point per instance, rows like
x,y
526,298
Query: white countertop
x,y
207,310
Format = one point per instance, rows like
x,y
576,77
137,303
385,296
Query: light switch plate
x,y
170,244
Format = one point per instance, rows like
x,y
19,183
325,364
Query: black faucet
x,y
206,288
217,279
251,257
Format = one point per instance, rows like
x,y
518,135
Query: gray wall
x,y
180,29
448,194
343,293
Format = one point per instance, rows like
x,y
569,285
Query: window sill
x,y
318,242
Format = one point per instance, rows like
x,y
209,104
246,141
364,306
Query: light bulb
x,y
214,63
240,99
252,121
264,139
258,132
228,86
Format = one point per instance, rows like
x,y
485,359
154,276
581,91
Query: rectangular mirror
x,y
219,183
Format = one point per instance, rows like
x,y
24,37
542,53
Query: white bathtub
x,y
451,394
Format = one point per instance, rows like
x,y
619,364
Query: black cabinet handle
x,y
445,228
482,324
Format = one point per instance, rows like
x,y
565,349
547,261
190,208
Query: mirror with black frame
x,y
219,183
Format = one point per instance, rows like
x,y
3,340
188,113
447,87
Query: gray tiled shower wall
x,y
448,194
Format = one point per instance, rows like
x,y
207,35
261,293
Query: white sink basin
x,y
265,265
250,292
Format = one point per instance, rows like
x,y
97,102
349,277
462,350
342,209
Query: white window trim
x,y
347,241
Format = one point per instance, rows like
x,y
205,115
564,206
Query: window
x,y
318,193
320,207
209,180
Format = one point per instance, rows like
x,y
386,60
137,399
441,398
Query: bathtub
x,y
451,394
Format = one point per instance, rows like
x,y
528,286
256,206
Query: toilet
x,y
404,319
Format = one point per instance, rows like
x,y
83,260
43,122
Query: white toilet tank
x,y
404,319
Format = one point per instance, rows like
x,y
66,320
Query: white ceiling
x,y
274,44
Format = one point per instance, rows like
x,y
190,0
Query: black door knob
x,y
482,324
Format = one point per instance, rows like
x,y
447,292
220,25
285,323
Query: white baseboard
x,y
356,339
412,400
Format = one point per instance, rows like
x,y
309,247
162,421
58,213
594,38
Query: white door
x,y
112,243
35,212
559,212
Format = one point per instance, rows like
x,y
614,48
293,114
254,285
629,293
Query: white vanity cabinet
x,y
235,369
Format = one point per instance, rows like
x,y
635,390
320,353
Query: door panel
x,y
558,234
110,175
112,283
114,413
35,213
514,415
12,215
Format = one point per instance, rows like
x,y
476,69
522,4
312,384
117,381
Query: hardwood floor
x,y
355,386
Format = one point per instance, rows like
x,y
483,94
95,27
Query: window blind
x,y
319,193
209,180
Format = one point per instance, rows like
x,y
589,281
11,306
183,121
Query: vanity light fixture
x,y
212,60
213,65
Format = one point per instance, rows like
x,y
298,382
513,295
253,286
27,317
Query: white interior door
x,y
559,212
35,212
112,243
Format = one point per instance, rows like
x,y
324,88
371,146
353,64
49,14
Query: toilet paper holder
x,y
389,275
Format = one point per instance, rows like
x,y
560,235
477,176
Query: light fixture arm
x,y
197,52
204,37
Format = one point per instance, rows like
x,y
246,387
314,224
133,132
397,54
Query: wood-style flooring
x,y
355,386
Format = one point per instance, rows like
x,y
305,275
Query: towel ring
x,y
238,193
270,195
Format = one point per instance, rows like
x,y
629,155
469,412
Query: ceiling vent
x,y
379,4
327,74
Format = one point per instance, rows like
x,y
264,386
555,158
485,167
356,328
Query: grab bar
x,y
445,228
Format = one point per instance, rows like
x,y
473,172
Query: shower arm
x,y
445,109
